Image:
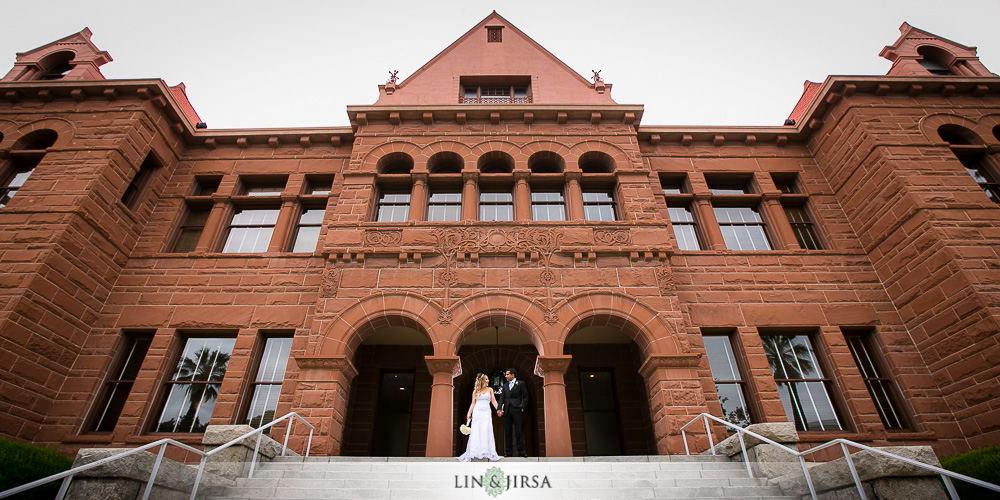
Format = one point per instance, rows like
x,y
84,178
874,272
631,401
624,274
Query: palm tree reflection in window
x,y
801,383
195,385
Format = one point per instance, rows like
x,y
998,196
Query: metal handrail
x,y
67,476
946,475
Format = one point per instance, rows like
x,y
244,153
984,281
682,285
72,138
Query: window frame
x,y
609,203
139,185
128,343
826,379
547,204
895,399
168,383
239,209
296,233
738,367
493,204
439,210
190,209
252,384
693,224
761,224
382,202
19,162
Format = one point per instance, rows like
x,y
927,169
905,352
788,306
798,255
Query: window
x,y
880,388
393,207
728,187
742,228
190,231
444,207
804,390
307,233
976,166
598,206
194,387
19,173
803,228
672,185
728,381
119,384
496,90
548,206
317,185
264,190
494,34
496,206
784,184
250,231
206,186
267,384
685,230
140,181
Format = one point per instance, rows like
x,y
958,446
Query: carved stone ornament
x,y
448,277
558,364
547,277
445,317
612,237
331,282
497,240
383,238
444,364
665,278
333,363
551,317
655,361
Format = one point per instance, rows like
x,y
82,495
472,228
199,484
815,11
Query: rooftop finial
x,y
597,76
392,77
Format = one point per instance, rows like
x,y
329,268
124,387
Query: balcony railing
x,y
495,100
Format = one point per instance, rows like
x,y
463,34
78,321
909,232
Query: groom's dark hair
x,y
513,371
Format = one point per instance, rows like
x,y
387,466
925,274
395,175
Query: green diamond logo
x,y
493,481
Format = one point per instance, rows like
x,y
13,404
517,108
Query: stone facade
x,y
123,229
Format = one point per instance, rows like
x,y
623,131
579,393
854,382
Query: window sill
x,y
94,438
824,436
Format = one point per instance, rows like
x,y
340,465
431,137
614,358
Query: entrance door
x,y
600,413
391,432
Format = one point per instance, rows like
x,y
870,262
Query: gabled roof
x,y
179,92
517,55
85,57
77,42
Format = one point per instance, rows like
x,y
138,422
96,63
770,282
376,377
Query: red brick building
x,y
496,209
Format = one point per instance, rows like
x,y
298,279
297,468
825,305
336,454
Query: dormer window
x,y
496,90
494,34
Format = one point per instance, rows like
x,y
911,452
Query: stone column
x,y
470,196
213,225
675,398
440,425
284,224
558,442
418,197
321,398
709,224
522,196
775,214
574,196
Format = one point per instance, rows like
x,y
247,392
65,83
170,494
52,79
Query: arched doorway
x,y
389,405
605,395
491,350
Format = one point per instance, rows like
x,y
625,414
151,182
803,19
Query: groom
x,y
513,400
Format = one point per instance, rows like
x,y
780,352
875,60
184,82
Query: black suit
x,y
512,402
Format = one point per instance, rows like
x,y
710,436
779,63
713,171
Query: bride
x,y
481,441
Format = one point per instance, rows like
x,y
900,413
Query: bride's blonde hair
x,y
481,382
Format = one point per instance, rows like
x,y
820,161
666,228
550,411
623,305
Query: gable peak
x,y
74,57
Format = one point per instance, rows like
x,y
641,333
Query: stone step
x,y
412,478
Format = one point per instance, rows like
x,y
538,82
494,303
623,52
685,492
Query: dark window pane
x,y
879,387
190,231
803,228
119,385
195,385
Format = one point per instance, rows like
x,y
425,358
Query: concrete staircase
x,y
619,478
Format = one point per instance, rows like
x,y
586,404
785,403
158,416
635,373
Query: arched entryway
x,y
606,396
389,405
491,350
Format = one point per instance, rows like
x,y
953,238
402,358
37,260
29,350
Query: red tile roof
x,y
809,91
180,93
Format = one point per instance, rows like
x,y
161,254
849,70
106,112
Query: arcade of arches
x,y
404,383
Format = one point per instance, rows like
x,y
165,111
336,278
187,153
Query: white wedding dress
x,y
481,441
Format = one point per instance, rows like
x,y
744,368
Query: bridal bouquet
x,y
465,429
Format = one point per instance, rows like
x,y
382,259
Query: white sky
x,y
299,63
